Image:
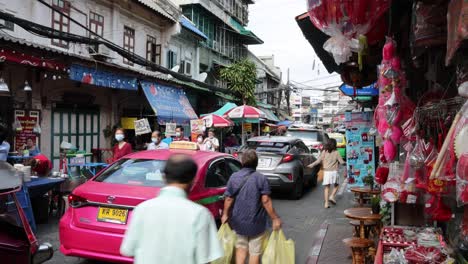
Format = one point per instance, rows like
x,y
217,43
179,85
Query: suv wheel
x,y
298,189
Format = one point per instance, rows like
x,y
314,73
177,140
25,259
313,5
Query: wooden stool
x,y
359,248
368,227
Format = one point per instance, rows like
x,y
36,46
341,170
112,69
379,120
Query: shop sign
x,y
169,103
370,90
102,78
28,121
170,129
128,122
197,126
142,127
30,60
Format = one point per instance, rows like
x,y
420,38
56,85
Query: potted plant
x,y
369,181
375,204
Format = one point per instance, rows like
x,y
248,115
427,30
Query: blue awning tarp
x,y
285,123
223,110
170,104
99,77
186,23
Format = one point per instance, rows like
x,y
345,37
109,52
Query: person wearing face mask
x,y
156,141
180,135
211,142
122,148
200,144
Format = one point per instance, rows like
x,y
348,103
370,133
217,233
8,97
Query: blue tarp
x,y
102,78
169,104
186,23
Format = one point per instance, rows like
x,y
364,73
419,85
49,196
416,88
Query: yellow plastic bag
x,y
279,250
227,237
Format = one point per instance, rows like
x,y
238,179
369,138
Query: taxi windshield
x,y
139,172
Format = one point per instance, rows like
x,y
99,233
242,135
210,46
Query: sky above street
x,y
274,22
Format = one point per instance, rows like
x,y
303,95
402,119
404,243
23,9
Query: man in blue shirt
x,y
251,192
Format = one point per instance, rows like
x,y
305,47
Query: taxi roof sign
x,y
183,145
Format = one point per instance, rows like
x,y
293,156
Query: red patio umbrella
x,y
244,113
212,120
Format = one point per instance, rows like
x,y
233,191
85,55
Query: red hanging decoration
x,y
344,21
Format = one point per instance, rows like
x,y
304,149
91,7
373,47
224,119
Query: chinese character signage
x,y
360,156
28,124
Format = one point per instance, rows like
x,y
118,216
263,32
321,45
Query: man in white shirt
x,y
156,141
211,143
171,229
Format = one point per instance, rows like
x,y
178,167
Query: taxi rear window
x,y
139,172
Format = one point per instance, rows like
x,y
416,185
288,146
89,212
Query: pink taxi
x,y
100,209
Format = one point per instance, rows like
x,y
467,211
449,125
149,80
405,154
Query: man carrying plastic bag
x,y
248,195
279,250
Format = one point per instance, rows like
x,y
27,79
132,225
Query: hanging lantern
x,y
345,21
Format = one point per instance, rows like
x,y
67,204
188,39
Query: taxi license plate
x,y
112,215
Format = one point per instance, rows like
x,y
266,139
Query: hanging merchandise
x,y
461,152
444,168
429,26
392,188
346,21
394,108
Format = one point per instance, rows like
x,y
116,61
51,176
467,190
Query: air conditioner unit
x,y
100,52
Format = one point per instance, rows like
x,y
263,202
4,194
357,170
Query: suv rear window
x,y
268,146
140,172
304,134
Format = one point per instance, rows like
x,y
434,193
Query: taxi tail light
x,y
319,146
287,158
236,154
76,201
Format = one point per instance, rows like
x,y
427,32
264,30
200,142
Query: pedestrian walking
x,y
122,148
246,208
211,142
180,135
330,158
156,141
170,228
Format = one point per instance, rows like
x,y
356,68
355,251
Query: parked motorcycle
x,y
18,244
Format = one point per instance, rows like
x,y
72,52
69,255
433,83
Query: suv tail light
x,y
287,158
235,154
76,201
290,176
318,146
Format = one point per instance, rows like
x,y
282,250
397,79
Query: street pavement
x,y
306,221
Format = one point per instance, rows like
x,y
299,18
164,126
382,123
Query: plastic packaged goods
x,y
346,22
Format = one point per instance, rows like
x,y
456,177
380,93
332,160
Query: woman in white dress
x,y
330,158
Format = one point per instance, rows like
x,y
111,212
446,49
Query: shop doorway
x,y
78,126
